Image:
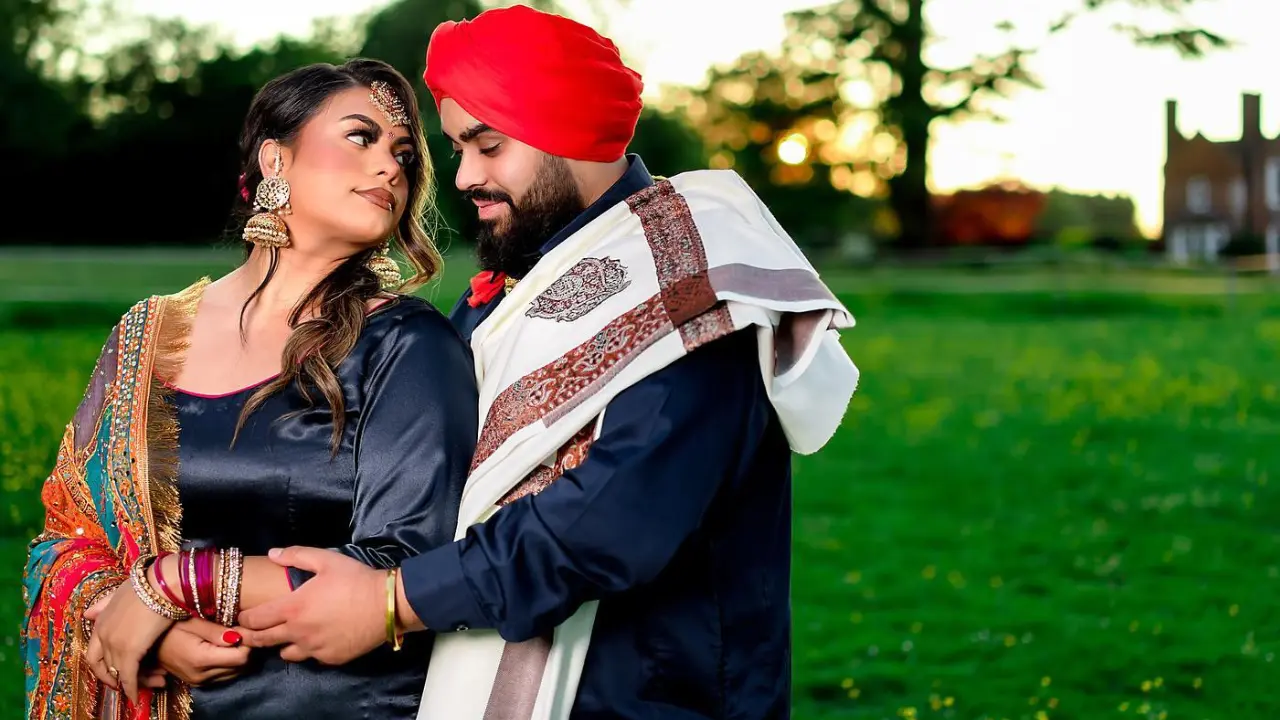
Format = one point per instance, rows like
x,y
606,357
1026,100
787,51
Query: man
x,y
650,353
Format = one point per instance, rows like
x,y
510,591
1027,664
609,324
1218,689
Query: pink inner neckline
x,y
254,386
219,396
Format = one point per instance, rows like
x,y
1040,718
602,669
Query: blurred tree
x,y
398,34
154,125
33,40
667,142
854,75
770,121
169,106
1068,214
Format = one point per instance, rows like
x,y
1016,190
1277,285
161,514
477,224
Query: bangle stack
x,y
208,580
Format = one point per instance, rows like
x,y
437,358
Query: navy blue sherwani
x,y
678,521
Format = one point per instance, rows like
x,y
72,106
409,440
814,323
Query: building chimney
x,y
1171,121
1252,117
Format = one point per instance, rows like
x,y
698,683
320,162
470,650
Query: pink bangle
x,y
184,580
204,581
164,586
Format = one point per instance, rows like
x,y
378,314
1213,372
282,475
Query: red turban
x,y
543,79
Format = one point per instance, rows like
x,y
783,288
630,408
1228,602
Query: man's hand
x,y
199,652
335,617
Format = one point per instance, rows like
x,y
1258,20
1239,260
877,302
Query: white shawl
x,y
679,264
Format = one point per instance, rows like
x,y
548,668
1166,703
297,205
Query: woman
x,y
295,401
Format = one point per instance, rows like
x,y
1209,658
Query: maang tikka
x,y
266,228
386,100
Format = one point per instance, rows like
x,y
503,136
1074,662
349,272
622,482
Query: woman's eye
x,y
361,138
406,158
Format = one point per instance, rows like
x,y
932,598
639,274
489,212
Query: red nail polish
x,y
232,638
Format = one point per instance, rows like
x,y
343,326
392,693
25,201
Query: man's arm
x,y
667,446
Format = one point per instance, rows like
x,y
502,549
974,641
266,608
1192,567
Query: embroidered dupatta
x,y
112,496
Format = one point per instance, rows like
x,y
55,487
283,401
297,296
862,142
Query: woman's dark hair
x,y
339,303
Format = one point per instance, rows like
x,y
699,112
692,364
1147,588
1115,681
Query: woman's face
x,y
349,173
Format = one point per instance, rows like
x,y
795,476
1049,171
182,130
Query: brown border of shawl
x,y
685,302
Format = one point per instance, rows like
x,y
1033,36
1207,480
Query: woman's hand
x,y
155,677
199,652
97,607
124,631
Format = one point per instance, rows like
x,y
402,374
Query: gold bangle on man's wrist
x,y
393,638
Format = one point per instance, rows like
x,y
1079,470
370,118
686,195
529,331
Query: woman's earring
x,y
266,229
387,269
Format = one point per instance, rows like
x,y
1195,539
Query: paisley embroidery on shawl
x,y
685,303
568,457
581,289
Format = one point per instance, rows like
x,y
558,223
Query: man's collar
x,y
635,179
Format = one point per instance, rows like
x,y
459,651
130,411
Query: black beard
x,y
551,204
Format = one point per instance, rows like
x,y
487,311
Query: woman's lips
x,y
379,197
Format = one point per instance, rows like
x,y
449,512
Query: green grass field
x,y
1054,496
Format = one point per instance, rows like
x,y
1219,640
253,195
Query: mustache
x,y
484,195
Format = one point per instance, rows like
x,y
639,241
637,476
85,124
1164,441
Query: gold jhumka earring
x,y
387,269
266,228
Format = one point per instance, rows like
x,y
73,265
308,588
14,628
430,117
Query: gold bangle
x,y
155,602
392,636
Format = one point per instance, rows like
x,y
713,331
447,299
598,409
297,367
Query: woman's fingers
x,y
94,656
127,672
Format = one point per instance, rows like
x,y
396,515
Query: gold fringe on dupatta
x,y
158,461
172,341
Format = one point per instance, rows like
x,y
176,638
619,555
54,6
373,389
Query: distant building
x,y
1214,191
